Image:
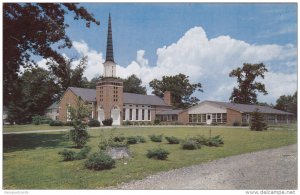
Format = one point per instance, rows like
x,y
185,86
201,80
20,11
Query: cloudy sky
x,y
204,41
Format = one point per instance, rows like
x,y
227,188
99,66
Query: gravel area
x,y
268,169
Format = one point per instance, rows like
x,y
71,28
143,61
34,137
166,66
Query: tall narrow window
x,y
137,114
143,114
149,115
130,114
68,112
124,112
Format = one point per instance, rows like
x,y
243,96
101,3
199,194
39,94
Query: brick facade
x,y
233,116
183,117
109,93
69,98
167,98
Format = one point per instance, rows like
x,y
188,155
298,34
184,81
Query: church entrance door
x,y
115,115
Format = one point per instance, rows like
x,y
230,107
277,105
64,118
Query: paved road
x,y
268,169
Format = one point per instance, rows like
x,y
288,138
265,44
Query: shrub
x,y
236,123
245,124
200,140
156,138
190,144
38,119
79,137
172,140
117,144
69,123
119,138
56,123
141,139
127,123
215,141
132,140
94,123
156,122
68,155
107,122
159,154
99,161
83,153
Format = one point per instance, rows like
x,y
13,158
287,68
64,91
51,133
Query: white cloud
x,y
208,61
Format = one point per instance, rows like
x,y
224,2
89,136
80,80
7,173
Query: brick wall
x,y
183,117
233,116
167,98
109,95
68,98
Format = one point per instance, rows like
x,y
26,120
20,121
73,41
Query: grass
x,y
20,128
31,160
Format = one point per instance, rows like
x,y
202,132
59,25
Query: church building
x,y
109,100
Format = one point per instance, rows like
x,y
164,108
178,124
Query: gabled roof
x,y
132,98
246,108
89,95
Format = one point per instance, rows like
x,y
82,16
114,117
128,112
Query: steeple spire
x,y
109,46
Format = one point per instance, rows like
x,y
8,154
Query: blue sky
x,y
153,27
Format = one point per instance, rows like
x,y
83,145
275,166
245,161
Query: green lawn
x,y
19,128
31,160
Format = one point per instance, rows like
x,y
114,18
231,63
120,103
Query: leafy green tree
x,y
79,113
180,87
37,91
257,122
287,103
35,29
246,92
133,84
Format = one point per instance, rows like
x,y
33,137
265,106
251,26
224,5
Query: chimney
x,y
167,97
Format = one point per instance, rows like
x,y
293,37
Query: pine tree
x,y
257,122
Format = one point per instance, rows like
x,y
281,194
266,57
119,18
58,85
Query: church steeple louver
x,y
109,46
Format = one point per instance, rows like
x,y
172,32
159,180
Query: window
x,y
214,118
124,112
190,118
219,119
68,112
224,117
194,118
143,114
137,114
130,114
199,118
149,115
203,118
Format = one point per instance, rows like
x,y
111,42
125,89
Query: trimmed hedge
x,y
56,123
172,140
107,122
94,123
156,138
159,154
99,161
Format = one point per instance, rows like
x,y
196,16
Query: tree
x,y
287,103
35,29
37,90
79,113
257,122
246,92
132,84
180,87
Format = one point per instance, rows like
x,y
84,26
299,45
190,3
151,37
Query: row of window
x,y
110,83
202,118
167,118
137,116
